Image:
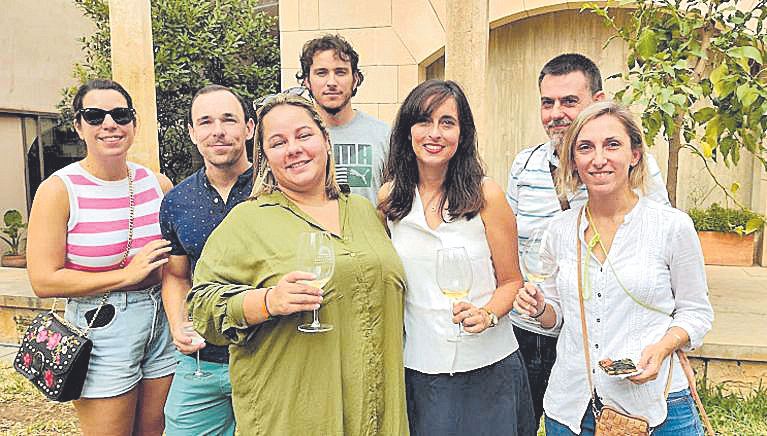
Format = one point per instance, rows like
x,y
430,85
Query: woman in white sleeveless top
x,y
78,235
437,196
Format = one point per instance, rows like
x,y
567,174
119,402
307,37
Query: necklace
x,y
431,204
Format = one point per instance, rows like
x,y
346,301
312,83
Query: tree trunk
x,y
674,145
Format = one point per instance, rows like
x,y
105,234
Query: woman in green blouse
x,y
348,381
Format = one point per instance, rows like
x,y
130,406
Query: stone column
x,y
130,23
467,34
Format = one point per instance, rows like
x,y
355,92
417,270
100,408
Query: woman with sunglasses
x,y
248,293
94,229
629,284
437,196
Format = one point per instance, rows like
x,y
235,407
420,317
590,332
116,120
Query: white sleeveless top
x,y
428,320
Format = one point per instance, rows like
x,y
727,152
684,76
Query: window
x,y
60,146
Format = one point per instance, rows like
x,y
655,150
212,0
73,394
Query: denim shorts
x,y
132,342
682,419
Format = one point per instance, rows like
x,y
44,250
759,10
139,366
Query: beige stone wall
x,y
519,50
395,40
38,46
402,42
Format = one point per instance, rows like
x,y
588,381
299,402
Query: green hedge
x,y
719,219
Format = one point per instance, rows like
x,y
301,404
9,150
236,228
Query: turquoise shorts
x,y
199,406
133,341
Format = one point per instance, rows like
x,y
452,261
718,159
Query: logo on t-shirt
x,y
354,164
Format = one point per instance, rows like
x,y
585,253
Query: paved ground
x,y
738,294
739,298
7,354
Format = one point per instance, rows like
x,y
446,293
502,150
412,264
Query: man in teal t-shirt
x,y
329,69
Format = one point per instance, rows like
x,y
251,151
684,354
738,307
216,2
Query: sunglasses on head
x,y
296,90
95,116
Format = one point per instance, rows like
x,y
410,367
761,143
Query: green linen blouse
x,y
349,381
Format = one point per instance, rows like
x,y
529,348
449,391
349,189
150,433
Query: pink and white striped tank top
x,y
97,231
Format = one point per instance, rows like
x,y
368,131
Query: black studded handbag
x,y
54,354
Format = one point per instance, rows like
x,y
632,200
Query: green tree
x,y
196,43
697,67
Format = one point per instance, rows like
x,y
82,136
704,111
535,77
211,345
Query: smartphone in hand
x,y
622,367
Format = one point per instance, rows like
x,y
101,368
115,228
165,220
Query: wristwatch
x,y
493,317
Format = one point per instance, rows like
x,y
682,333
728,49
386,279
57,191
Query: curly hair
x,y
337,43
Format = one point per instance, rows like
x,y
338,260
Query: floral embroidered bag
x,y
54,354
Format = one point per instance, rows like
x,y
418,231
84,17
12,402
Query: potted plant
x,y
14,228
726,235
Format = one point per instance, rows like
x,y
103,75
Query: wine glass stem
x,y
198,363
460,324
316,322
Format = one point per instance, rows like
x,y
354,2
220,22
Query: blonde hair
x,y
568,179
263,178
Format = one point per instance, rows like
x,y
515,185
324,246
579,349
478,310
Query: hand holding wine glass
x,y
315,255
196,340
538,266
454,278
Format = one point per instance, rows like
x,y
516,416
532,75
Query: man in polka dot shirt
x,y
219,125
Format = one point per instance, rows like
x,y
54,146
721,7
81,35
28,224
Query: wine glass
x,y
538,267
199,374
315,255
454,278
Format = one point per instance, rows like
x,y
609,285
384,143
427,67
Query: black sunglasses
x,y
296,90
95,116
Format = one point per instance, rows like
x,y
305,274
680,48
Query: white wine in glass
x,y
537,265
454,278
315,255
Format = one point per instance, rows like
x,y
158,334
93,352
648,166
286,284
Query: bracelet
x,y
678,338
538,315
266,306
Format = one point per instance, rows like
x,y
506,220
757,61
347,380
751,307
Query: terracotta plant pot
x,y
14,261
727,248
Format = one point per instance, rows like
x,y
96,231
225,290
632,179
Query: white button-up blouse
x,y
657,256
428,316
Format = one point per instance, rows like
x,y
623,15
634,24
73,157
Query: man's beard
x,y
333,111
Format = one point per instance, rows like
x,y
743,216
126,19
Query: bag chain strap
x,y
131,216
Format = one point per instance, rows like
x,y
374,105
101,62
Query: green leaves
x,y
647,45
196,43
13,218
747,95
746,52
704,115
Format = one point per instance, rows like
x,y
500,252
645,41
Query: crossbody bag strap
x,y
688,372
564,204
585,329
124,260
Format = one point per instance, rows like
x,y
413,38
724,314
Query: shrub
x,y
719,219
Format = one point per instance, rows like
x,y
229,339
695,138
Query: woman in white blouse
x,y
437,196
643,285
